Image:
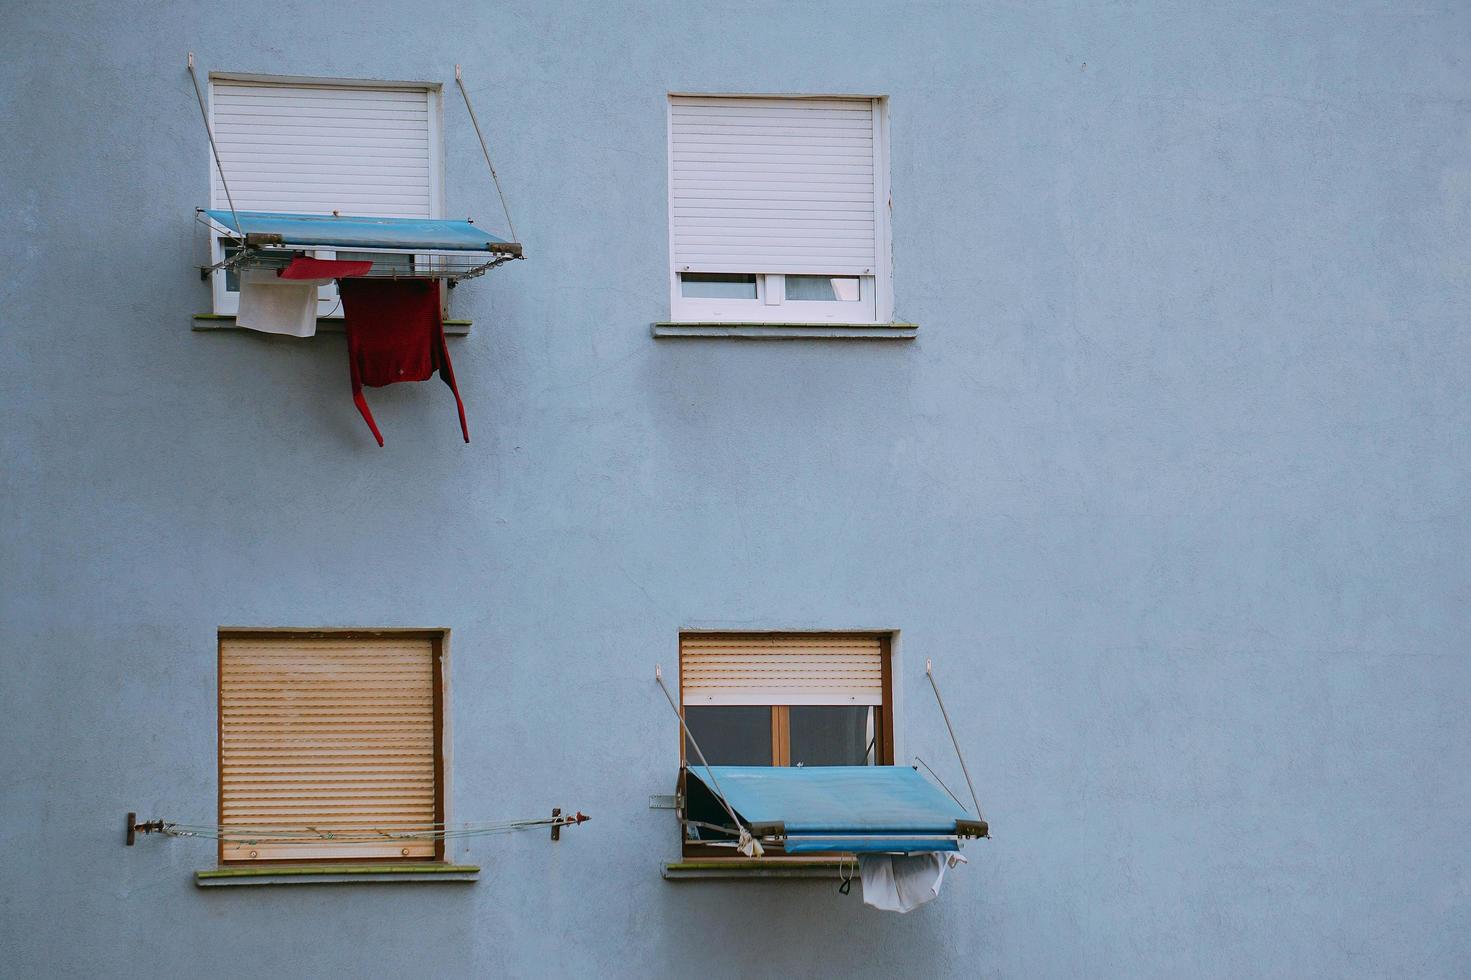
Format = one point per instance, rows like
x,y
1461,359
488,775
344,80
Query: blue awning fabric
x,y
348,231
858,809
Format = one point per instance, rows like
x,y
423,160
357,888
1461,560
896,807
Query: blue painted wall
x,y
1173,486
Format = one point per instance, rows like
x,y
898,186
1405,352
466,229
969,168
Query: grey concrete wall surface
x,y
1172,486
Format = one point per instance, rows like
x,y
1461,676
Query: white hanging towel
x,y
271,304
902,882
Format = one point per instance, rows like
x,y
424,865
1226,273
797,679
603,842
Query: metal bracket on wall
x,y
134,827
668,802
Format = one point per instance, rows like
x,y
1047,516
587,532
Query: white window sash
x,y
772,306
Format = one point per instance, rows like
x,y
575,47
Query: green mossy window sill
x,y
336,874
790,331
756,869
325,324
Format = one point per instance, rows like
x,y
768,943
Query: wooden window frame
x,y
439,652
781,724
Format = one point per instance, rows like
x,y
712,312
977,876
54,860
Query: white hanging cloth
x,y
271,304
903,882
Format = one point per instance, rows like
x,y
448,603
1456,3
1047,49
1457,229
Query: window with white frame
x,y
778,209
323,147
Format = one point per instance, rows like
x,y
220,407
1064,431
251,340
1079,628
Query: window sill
x,y
789,331
325,324
757,869
336,874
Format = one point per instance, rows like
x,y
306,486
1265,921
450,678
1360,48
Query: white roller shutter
x,y
334,734
791,669
315,149
773,185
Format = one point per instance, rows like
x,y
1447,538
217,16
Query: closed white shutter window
x,y
327,735
774,185
315,149
775,669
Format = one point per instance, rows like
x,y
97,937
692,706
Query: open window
x,y
782,699
779,700
788,754
319,188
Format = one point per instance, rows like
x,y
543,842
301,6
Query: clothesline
x,y
425,831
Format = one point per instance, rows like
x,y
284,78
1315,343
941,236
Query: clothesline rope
x,y
420,831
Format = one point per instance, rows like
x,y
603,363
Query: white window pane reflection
x,y
842,289
232,272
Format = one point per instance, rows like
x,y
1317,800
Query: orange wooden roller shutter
x,y
335,734
792,669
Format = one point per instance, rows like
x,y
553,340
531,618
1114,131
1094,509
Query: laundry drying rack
x,y
400,248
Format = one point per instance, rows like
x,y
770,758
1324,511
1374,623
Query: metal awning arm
x,y
929,671
747,843
205,271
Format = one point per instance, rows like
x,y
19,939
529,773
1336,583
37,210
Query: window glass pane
x,y
232,272
730,735
831,735
824,288
382,261
717,285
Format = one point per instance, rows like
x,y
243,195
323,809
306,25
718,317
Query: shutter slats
x,y
316,149
799,165
335,734
781,669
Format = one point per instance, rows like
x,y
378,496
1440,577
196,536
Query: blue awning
x,y
347,231
861,809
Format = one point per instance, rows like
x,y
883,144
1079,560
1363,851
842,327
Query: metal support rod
x,y
208,131
556,827
936,777
659,677
460,81
929,672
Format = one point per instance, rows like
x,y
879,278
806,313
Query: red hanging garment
x,y
394,333
306,267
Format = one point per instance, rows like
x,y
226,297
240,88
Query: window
x,y
780,699
778,210
320,147
335,733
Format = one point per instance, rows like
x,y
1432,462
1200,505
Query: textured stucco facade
x,y
1172,486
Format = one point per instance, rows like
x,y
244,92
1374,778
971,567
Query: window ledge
x,y
325,324
756,869
334,874
790,331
